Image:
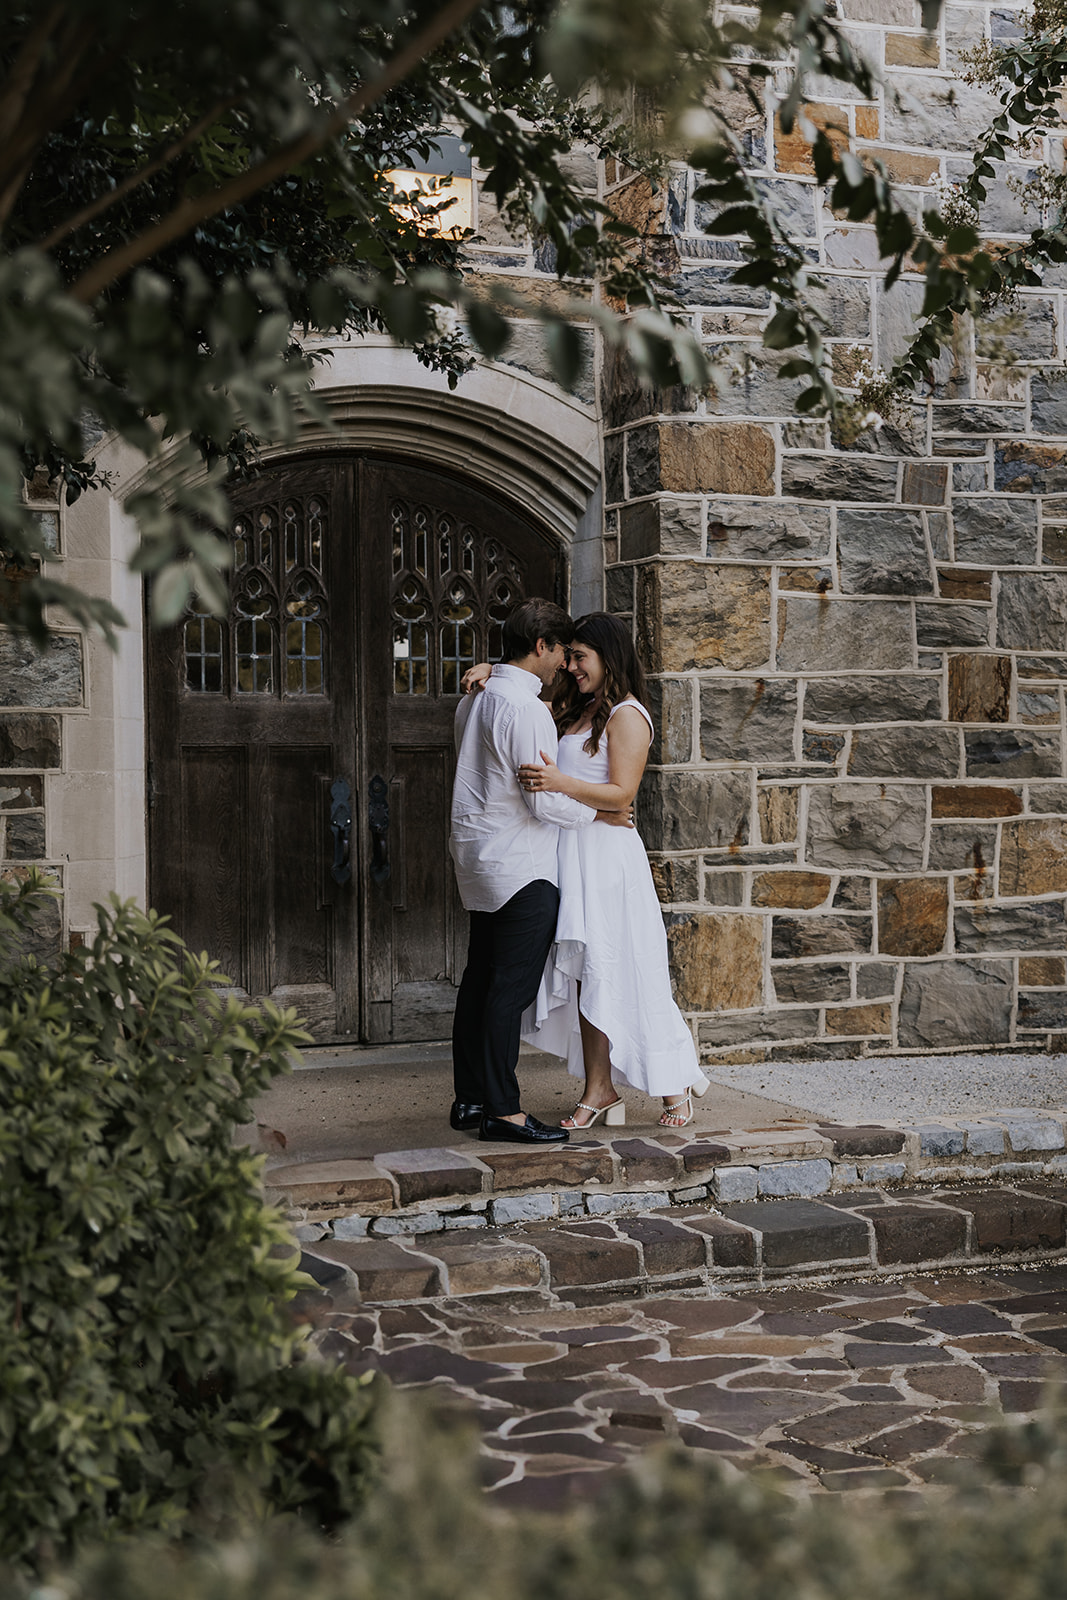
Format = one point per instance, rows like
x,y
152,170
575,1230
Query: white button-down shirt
x,y
503,838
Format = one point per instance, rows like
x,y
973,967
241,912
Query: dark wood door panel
x,y
210,913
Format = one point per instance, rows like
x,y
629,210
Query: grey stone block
x,y
684,1197
761,530
521,1208
1048,797
984,1138
1043,1008
940,113
1048,402
525,349
973,419
754,1026
747,719
807,981
351,1227
25,839
962,847
694,810
414,1222
463,1220
1032,611
997,531
711,286
935,1140
610,1205
619,585
823,635
724,888
884,1172
1034,1133
1037,926
670,701
1011,753
29,741
846,1176
32,678
883,553
866,825
946,1003
660,527
839,477
803,1231
949,624
905,752
858,699
735,1183
875,980
571,1202
795,1179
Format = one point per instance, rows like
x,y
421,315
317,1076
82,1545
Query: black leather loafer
x,y
464,1118
529,1132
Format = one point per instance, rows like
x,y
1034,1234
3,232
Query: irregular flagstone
x,y
578,1255
355,1184
385,1271
476,1264
430,1174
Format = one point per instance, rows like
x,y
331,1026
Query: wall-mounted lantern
x,y
441,179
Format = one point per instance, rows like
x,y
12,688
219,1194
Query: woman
x,y
605,1000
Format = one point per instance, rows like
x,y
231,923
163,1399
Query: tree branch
x,y
20,79
104,202
199,208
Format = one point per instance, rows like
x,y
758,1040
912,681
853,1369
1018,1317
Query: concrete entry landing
x,y
347,1102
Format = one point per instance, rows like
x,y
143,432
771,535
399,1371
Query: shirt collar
x,y
529,681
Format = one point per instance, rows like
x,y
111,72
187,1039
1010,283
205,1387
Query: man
x,y
503,844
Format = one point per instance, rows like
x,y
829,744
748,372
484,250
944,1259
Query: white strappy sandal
x,y
614,1116
680,1113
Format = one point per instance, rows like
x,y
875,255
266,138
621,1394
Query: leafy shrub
x,y
149,1371
673,1528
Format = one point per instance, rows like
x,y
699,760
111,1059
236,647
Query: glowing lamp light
x,y
441,179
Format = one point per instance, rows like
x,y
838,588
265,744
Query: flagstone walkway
x,y
859,1386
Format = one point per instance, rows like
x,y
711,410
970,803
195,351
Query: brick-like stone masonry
x,y
858,811
858,1386
420,1192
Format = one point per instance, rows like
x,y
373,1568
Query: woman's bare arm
x,y
628,741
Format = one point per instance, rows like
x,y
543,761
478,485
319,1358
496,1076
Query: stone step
x,y
700,1247
471,1186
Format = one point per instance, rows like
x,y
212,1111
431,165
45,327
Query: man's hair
x,y
532,620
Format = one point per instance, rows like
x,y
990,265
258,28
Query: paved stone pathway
x,y
857,1386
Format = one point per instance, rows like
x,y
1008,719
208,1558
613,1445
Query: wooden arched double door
x,y
300,750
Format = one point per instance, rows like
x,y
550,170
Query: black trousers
x,y
505,959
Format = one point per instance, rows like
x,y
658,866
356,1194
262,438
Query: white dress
x,y
610,938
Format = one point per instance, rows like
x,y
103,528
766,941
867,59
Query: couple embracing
x,y
567,947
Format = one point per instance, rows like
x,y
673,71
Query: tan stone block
x,y
1033,857
974,800
719,458
773,1144
792,151
474,1265
964,583
778,814
912,916
547,292
1047,972
905,166
866,122
912,50
809,580
693,614
717,962
636,204
800,890
354,1186
979,688
861,1020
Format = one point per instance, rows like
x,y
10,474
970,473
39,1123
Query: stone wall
x,y
35,689
857,811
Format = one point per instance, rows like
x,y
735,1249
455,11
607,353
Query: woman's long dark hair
x,y
623,675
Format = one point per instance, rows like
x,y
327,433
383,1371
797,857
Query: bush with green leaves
x,y
149,1369
674,1527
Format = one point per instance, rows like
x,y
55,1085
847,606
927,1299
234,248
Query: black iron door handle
x,y
378,817
341,828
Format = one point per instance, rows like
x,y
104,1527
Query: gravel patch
x,y
904,1088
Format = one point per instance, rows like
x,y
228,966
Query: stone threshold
x,y
699,1248
470,1186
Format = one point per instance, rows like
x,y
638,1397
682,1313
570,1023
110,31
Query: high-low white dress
x,y
610,938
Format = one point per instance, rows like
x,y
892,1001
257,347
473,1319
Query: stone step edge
x,y
878,1234
625,1175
